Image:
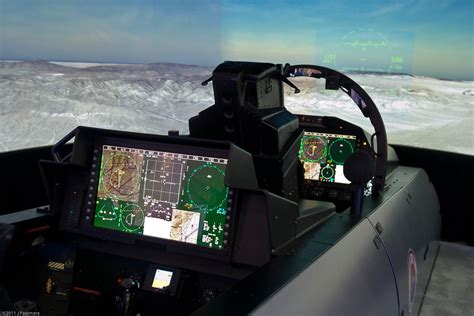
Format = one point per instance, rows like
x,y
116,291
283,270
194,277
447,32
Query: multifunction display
x,y
323,155
169,195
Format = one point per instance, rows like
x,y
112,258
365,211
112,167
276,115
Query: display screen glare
x,y
168,195
162,279
323,155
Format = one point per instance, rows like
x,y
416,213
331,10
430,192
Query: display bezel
x,y
191,148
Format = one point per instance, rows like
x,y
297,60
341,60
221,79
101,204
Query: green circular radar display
x,y
327,172
132,217
206,189
340,150
313,149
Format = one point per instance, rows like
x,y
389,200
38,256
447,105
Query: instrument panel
x,y
323,155
162,191
326,144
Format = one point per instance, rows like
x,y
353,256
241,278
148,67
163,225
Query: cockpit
x,y
246,214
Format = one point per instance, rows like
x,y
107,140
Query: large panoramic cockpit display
x,y
323,155
169,195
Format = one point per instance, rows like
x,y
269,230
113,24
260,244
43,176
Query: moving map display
x,y
174,196
323,155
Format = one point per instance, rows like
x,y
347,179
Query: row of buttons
x,y
331,194
75,209
92,182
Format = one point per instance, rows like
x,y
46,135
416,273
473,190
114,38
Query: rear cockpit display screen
x,y
169,195
323,155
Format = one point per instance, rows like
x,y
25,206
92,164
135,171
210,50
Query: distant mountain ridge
x,y
36,64
44,65
379,73
186,69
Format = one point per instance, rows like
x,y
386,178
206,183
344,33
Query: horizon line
x,y
111,63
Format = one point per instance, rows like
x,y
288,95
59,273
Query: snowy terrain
x,y
40,102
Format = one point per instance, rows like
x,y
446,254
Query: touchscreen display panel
x,y
169,195
323,155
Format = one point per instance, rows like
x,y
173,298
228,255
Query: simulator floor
x,y
451,288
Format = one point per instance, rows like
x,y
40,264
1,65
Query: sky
x,y
420,37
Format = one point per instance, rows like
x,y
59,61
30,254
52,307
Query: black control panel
x,y
172,201
139,287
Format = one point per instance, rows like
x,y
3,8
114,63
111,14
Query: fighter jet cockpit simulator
x,y
245,213
236,189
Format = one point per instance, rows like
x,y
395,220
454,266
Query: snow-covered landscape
x,y
40,102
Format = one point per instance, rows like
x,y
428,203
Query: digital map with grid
x,y
163,179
